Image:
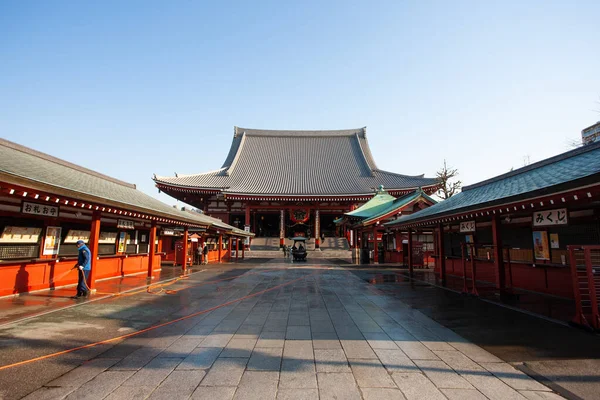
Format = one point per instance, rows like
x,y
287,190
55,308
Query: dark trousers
x,y
81,285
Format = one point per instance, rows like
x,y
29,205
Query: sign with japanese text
x,y
125,224
39,209
73,236
550,217
168,232
467,226
20,234
52,240
247,240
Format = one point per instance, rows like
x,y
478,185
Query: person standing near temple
x,y
199,255
205,253
84,266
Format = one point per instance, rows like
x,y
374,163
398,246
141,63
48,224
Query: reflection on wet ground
x,y
288,330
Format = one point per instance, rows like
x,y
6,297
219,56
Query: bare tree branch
x,y
444,177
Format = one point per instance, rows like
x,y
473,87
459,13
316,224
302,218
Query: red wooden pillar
x,y
93,245
152,249
185,248
498,259
281,228
441,254
410,252
220,246
237,248
375,251
317,229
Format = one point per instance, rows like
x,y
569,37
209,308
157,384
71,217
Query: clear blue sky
x,y
132,88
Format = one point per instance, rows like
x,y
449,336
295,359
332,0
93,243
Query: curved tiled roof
x,y
563,169
298,163
35,167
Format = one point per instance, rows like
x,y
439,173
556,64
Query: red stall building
x,y
536,228
48,204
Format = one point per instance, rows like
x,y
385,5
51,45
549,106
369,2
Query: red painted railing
x,y
585,271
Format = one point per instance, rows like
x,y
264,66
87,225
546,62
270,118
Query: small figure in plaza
x,y
84,266
199,255
284,248
322,237
205,253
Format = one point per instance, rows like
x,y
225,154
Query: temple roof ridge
x,y
166,178
397,174
300,132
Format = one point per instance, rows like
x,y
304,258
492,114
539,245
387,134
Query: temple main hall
x,y
285,183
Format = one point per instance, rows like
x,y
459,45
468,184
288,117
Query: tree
x,y
444,177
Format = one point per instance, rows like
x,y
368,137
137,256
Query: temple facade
x,y
291,183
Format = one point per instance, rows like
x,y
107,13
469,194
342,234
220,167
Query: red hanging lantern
x,y
300,215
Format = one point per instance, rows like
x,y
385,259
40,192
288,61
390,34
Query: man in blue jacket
x,y
84,265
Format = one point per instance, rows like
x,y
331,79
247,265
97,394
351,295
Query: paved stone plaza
x,y
274,331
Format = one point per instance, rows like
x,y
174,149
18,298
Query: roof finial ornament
x,y
380,189
235,131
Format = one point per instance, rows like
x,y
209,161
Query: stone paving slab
x,y
331,360
337,386
241,348
101,386
380,340
50,393
416,350
463,394
513,377
298,394
358,349
417,386
298,374
225,372
382,394
271,339
258,385
178,385
442,376
200,358
131,393
265,359
214,393
84,373
537,395
153,372
370,373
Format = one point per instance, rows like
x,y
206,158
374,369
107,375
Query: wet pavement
x,y
289,331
